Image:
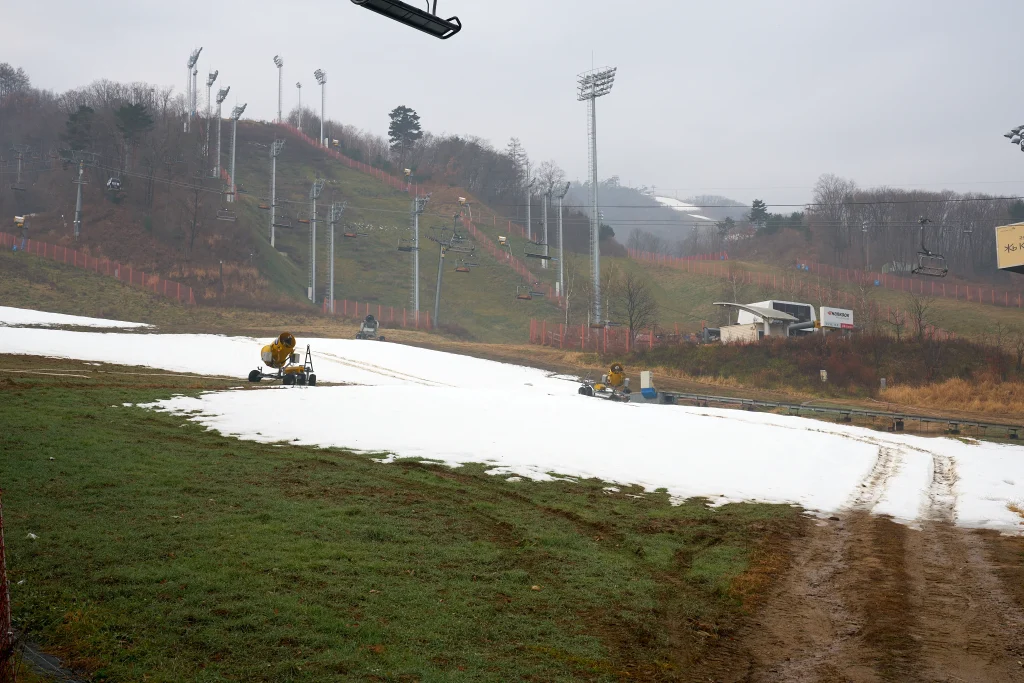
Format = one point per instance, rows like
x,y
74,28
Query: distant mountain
x,y
628,209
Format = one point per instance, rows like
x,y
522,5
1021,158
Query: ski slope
x,y
526,422
23,316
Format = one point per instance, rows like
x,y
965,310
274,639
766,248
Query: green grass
x,y
170,553
370,269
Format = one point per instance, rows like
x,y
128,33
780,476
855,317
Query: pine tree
x,y
404,130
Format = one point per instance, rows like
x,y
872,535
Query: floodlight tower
x,y
298,86
280,84
195,92
314,194
221,96
591,85
275,151
209,107
321,78
561,245
190,65
418,205
236,114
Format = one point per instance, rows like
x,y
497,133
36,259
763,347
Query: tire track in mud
x,y
868,599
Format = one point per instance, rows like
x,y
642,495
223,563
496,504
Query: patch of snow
x,y
10,317
396,395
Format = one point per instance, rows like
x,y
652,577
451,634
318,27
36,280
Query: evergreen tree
x,y
79,128
404,130
759,214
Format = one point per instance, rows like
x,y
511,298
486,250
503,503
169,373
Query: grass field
x,y
169,553
370,269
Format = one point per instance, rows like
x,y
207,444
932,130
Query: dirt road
x,y
868,599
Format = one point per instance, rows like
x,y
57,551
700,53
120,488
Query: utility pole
x,y
314,194
418,205
236,114
280,85
298,86
321,78
221,96
337,208
209,108
275,150
445,247
529,201
78,201
867,255
547,200
591,85
561,245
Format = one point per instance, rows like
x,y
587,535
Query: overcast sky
x,y
746,99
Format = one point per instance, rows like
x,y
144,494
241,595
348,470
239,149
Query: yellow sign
x,y
1010,247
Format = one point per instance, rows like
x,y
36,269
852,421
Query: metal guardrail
x,y
898,419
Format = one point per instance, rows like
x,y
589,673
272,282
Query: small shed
x,y
773,324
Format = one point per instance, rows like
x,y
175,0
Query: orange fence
x,y
377,173
983,294
387,315
613,339
126,274
617,338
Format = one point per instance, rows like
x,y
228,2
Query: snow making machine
x,y
614,385
290,367
369,329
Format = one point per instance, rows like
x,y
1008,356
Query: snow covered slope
x,y
531,423
23,316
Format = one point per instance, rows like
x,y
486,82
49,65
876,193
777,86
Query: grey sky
x,y
747,99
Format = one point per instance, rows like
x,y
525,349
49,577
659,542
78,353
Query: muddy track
x,y
867,599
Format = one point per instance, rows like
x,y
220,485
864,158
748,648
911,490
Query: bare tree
x,y
636,299
919,308
898,320
1018,349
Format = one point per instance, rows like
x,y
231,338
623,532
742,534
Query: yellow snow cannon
x,y
280,355
614,385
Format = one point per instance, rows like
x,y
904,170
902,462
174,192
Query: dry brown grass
x,y
1017,508
984,396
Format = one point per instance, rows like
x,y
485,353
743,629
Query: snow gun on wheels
x,y
614,386
369,328
280,355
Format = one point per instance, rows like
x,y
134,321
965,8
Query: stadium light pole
x,y
190,66
298,86
321,78
209,108
280,84
591,85
236,114
221,96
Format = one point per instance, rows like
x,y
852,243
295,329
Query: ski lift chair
x,y
114,184
538,255
226,215
304,220
523,293
406,245
354,235
414,17
928,262
263,205
283,221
